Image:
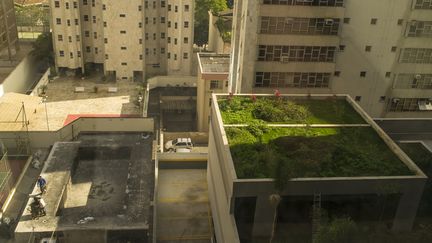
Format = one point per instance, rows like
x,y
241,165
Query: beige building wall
x,y
8,29
130,40
377,51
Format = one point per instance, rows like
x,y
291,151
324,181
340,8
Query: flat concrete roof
x,y
214,63
109,177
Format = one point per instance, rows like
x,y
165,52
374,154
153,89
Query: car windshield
x,y
175,141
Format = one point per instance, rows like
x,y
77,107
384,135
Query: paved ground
x,y
183,211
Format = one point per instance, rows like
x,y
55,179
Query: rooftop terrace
x,y
109,177
298,137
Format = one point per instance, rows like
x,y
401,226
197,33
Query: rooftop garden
x,y
242,110
259,151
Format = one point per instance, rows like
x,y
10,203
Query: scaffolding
x,y
32,20
6,180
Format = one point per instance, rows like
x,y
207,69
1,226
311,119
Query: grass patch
x,y
423,158
284,153
241,110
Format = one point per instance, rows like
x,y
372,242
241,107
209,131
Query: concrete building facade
x,y
8,29
379,52
212,78
127,40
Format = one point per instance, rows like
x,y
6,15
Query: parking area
x,y
183,210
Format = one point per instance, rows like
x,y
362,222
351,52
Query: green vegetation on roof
x,y
283,153
242,110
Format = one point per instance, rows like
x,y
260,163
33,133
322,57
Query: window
x,y
416,55
420,29
60,38
163,35
67,5
140,41
175,25
124,63
57,4
85,2
169,24
122,15
186,24
300,26
393,49
61,53
76,22
154,20
175,57
122,31
154,51
139,8
58,20
406,104
75,4
139,25
86,18
346,20
123,48
362,74
185,40
169,7
88,49
146,36
337,73
185,55
368,48
103,7
68,22
86,33
215,84
96,50
146,51
106,56
78,54
162,51
413,81
382,99
93,3
292,80
140,57
154,4
154,36
387,74
400,21
169,40
176,8
95,35
162,20
175,41
70,38
358,98
186,8
105,24
106,40
146,4
296,53
374,21
169,55
146,20
342,48
78,38
423,4
162,4
329,3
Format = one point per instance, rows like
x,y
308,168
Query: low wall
x,y
43,81
44,139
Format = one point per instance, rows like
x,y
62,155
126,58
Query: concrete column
x,y
408,206
263,219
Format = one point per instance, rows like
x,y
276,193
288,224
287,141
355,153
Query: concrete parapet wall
x,y
167,81
196,137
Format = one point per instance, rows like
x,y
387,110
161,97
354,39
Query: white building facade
x,y
127,39
379,52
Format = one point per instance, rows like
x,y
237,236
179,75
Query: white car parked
x,y
178,143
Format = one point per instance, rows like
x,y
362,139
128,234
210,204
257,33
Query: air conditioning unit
x,y
425,105
328,21
418,76
284,59
395,100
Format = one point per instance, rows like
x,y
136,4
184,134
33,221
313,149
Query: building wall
x,y
372,37
130,40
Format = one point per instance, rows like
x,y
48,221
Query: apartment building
x,y
128,40
379,52
8,29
